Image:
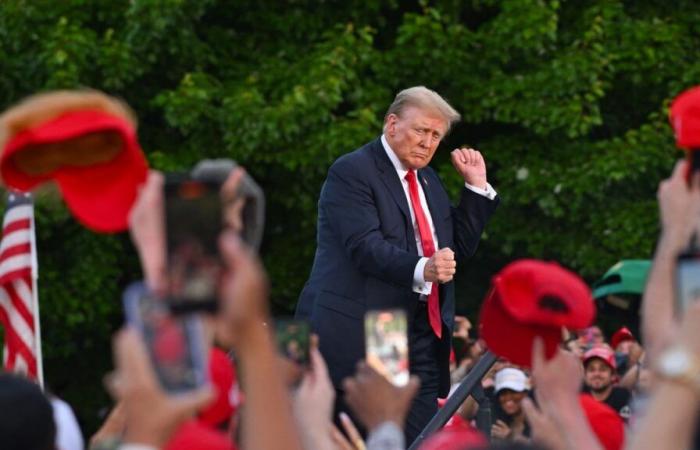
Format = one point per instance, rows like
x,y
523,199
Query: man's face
x,y
415,136
598,375
510,401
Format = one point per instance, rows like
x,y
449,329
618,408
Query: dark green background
x,y
566,99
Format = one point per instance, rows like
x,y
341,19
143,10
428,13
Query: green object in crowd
x,y
626,277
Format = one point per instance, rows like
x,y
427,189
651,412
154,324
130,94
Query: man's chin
x,y
599,389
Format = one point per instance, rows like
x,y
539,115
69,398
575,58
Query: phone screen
x,y
193,225
687,282
386,343
293,339
176,344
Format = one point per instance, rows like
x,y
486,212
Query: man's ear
x,y
391,120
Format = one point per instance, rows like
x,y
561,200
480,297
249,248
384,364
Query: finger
x,y
679,170
113,385
467,156
537,355
229,189
313,342
472,156
340,440
188,404
480,159
532,414
132,361
351,431
318,365
150,193
457,157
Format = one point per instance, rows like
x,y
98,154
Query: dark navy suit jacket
x,y
366,253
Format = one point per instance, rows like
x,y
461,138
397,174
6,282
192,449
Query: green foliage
x,y
567,100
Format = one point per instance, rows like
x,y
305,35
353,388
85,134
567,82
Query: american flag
x,y
19,311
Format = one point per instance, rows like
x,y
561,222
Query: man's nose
x,y
428,140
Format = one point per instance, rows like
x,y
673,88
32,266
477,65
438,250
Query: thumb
x,y
532,414
231,249
193,402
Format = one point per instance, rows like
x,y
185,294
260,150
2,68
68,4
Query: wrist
x,y
671,243
680,366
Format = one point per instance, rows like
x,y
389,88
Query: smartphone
x,y
193,216
687,281
176,344
386,344
244,207
198,205
293,339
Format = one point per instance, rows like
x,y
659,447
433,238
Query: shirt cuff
x,y
420,286
489,192
386,436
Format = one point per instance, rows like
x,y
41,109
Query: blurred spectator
x,y
599,380
607,425
591,337
68,434
627,350
380,406
511,386
558,421
26,416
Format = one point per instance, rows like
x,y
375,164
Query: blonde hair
x,y
425,99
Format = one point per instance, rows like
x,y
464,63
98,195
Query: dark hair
x,y
26,415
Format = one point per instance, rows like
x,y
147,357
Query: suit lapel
x,y
391,180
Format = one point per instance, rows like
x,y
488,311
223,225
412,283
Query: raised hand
x,y
471,166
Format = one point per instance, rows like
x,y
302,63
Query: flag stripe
x,y
15,250
16,322
15,342
20,224
15,238
17,304
19,212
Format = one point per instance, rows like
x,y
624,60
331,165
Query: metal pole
x,y
457,398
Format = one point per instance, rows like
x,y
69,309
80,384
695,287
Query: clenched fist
x,y
471,166
441,266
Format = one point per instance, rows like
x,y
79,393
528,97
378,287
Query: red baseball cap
x,y
99,194
223,376
684,115
605,422
604,353
531,298
621,335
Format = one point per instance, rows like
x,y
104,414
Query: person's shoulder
x,y
621,392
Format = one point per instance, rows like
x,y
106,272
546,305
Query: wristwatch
x,y
680,365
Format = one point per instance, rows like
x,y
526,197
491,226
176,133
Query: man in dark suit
x,y
388,237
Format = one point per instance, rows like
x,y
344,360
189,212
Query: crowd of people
x,y
591,392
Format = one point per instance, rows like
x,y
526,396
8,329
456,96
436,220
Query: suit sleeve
x,y
469,218
348,204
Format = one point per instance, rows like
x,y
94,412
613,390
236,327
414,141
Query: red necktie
x,y
426,239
